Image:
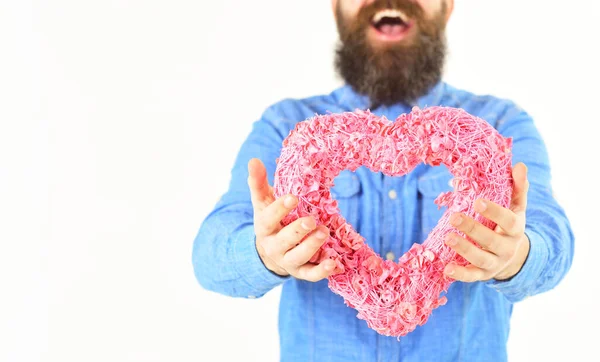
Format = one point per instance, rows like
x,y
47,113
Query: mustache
x,y
410,8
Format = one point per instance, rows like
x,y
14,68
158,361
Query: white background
x,y
120,121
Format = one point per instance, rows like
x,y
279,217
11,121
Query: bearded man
x,y
391,57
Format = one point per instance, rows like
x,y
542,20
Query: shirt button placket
x,y
393,195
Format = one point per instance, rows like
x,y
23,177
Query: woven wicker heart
x,y
392,297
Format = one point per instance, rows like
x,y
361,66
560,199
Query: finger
x,y
314,273
480,234
469,273
503,217
269,220
292,235
302,253
477,257
260,191
520,188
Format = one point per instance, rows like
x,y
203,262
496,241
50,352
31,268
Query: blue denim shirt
x,y
391,213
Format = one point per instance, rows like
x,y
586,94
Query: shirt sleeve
x,y
547,227
224,256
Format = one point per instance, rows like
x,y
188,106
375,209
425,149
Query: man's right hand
x,y
284,250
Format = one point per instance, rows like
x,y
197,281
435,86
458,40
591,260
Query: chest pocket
x,y
430,185
347,191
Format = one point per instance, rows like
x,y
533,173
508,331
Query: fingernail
x,y
289,202
449,270
457,220
451,240
329,266
481,206
321,234
307,225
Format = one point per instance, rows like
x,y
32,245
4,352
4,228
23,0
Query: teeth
x,y
389,13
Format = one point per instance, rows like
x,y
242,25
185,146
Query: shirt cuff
x,y
250,266
523,283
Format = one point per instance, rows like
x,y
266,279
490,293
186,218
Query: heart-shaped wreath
x,y
392,297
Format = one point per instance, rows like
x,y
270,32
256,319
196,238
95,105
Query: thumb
x,y
260,191
520,188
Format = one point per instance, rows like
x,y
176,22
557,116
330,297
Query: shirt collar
x,y
433,97
352,100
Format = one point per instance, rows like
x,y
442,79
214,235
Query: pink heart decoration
x,y
392,297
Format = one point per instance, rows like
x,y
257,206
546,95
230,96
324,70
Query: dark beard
x,y
401,73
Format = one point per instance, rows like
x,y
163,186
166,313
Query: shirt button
x,y
392,194
390,255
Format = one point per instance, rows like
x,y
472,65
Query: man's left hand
x,y
503,250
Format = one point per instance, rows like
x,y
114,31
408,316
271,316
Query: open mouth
x,y
391,23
